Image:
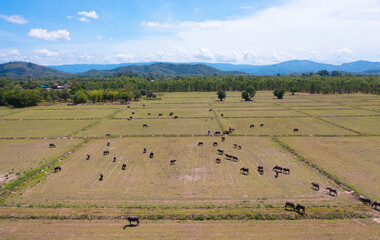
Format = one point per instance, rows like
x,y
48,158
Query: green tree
x,y
80,97
279,93
249,93
221,95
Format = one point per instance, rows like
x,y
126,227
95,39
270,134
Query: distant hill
x,y
288,67
24,69
165,69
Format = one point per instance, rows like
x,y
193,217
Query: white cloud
x,y
345,51
13,53
70,17
246,7
155,24
14,19
90,14
100,37
63,35
125,57
204,54
45,52
181,35
83,19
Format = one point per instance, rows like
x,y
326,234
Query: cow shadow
x,y
129,226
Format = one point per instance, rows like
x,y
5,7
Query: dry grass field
x,y
338,134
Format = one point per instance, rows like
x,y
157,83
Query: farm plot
x,y
20,155
367,125
355,160
260,113
154,113
173,106
194,179
61,114
283,126
40,128
154,127
340,112
113,229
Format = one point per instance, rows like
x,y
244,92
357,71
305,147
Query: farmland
x,y
336,145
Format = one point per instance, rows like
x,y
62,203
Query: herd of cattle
x,y
244,170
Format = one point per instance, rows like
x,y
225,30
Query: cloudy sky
x,y
230,31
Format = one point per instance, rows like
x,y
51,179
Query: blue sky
x,y
231,31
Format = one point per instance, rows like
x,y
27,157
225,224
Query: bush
x,y
80,97
279,93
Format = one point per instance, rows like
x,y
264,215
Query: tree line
x,y
29,92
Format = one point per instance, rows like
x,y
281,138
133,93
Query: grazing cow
x,y
235,145
230,129
332,191
365,200
210,110
215,144
218,160
208,132
88,157
222,114
260,169
276,176
252,126
133,113
262,125
160,114
228,156
133,219
200,143
108,134
171,114
277,169
51,145
151,155
216,133
175,117
226,132
57,168
128,107
375,204
144,150
223,139
244,170
220,151
315,186
235,159
114,159
148,114
108,143
101,177
300,207
290,205
143,105
105,152
145,125
286,171
239,147
130,118
124,166
172,162
295,130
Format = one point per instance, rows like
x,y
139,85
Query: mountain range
x,y
24,69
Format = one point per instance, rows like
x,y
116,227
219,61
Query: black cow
x,y
315,186
172,162
286,171
160,114
332,191
171,114
260,169
114,159
235,159
226,132
222,114
105,152
133,219
151,155
57,168
108,134
375,204
101,177
365,200
208,132
239,147
143,105
300,207
252,126
277,169
218,160
295,130
128,107
175,117
210,110
244,170
88,157
124,166
200,144
216,133
262,125
230,129
148,114
108,143
290,205
51,145
220,151
144,150
215,144
223,139
235,145
133,113
145,125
